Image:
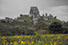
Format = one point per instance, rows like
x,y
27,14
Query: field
x,y
47,39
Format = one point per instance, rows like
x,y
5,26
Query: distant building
x,y
34,12
46,14
9,20
63,22
55,17
24,15
50,16
45,19
30,15
43,15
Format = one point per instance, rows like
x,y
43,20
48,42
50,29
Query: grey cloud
x,y
12,8
60,11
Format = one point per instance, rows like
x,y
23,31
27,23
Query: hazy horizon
x,y
13,8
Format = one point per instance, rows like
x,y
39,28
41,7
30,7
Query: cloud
x,y
13,8
60,11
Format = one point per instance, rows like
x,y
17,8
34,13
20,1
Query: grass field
x,y
47,39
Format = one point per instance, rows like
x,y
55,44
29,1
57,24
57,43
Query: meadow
x,y
47,39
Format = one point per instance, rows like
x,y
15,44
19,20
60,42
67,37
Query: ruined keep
x,y
34,13
33,17
8,20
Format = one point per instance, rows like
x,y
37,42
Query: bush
x,y
43,32
55,27
4,29
41,26
65,30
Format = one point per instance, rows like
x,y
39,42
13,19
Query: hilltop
x,y
28,24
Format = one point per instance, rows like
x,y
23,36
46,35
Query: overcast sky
x,y
13,8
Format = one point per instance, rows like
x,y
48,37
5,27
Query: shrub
x,y
55,27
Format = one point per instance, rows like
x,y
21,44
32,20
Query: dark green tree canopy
x,y
55,27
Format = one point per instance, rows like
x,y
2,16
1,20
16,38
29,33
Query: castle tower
x,y
46,14
34,12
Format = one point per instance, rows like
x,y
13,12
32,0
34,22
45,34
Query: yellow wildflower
x,y
60,42
32,42
18,41
45,44
22,42
51,44
29,43
7,43
18,36
54,43
10,42
58,37
31,37
38,41
15,43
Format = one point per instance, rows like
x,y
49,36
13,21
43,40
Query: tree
x,y
55,27
65,30
4,29
41,25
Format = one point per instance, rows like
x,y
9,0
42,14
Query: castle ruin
x,y
34,13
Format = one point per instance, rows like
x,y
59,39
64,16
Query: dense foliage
x,y
55,27
51,26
